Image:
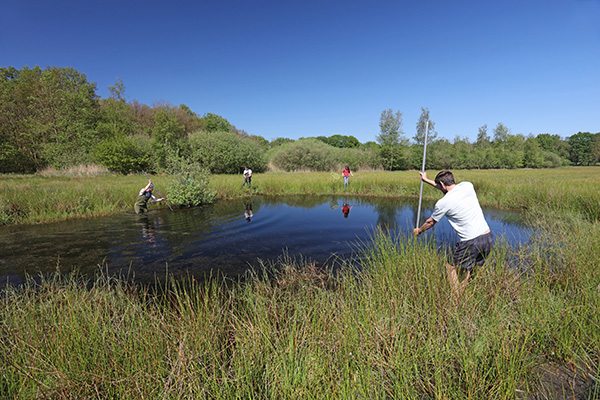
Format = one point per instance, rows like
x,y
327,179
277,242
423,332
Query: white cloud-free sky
x,y
317,67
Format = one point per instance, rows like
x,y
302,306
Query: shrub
x,y
191,185
304,154
122,155
226,153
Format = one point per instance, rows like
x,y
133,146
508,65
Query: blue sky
x,y
308,68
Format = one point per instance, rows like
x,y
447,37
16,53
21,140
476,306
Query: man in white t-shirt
x,y
461,206
247,177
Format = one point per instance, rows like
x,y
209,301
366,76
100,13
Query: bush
x,y
356,158
191,186
13,159
304,154
226,153
65,155
122,155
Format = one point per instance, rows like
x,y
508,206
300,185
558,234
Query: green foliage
x,y
582,146
122,154
215,123
226,153
304,154
340,141
168,136
62,155
13,159
45,113
422,125
393,156
533,156
390,126
190,186
361,158
279,141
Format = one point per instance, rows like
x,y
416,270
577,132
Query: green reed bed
x,y
35,199
391,329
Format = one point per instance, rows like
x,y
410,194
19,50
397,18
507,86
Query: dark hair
x,y
444,177
347,167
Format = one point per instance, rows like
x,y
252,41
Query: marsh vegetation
x,y
390,329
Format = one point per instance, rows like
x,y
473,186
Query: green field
x,y
390,330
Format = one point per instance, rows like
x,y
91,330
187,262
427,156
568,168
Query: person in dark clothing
x,y
145,194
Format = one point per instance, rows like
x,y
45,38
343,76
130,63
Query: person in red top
x,y
347,174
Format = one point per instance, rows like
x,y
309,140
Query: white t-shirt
x,y
247,172
461,207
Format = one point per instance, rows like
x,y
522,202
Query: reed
x,y
38,199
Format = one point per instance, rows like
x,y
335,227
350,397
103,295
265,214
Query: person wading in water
x,y
141,203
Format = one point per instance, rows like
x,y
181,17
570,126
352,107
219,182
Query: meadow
x,y
53,197
391,329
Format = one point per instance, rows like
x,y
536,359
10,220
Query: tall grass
x,y
34,199
389,329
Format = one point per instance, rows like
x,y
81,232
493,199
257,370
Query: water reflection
x,y
346,209
216,238
248,213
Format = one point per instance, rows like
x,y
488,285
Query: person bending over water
x,y
461,206
145,194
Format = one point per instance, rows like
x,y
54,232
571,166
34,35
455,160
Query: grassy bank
x,y
35,199
389,330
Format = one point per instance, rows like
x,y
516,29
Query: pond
x,y
224,236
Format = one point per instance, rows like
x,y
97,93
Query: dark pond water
x,y
220,237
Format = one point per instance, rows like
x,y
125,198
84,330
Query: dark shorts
x,y
473,252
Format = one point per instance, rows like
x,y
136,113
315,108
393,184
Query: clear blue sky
x,y
293,69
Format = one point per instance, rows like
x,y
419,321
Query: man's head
x,y
446,178
150,189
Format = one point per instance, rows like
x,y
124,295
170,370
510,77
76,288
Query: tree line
x,y
53,117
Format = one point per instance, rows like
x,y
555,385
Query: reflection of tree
x,y
386,215
333,204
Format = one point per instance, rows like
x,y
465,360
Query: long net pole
x,y
422,170
158,191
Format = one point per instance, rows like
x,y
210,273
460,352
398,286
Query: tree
x,y
483,139
421,125
116,118
279,141
501,133
46,117
167,137
226,152
390,126
19,144
582,144
215,123
533,156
